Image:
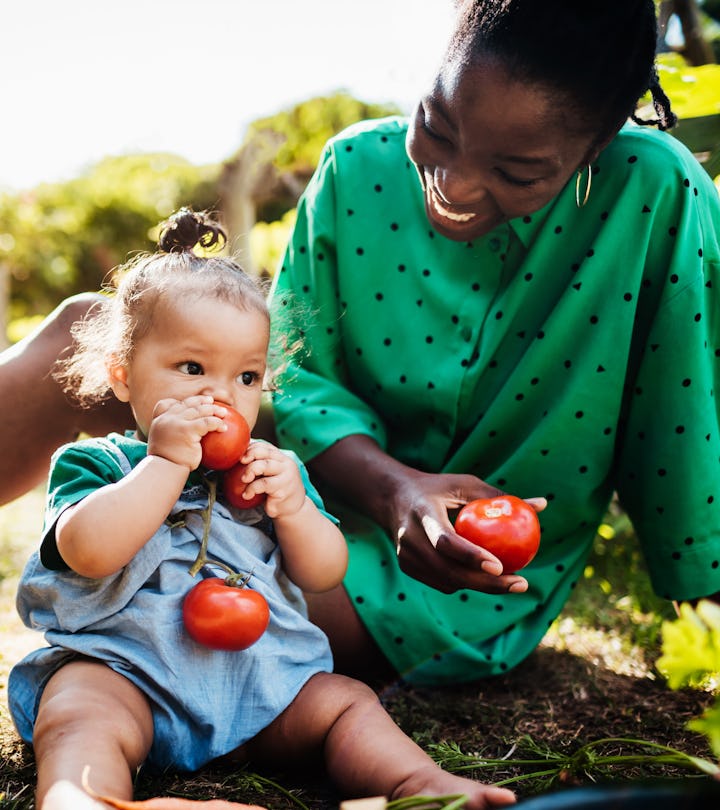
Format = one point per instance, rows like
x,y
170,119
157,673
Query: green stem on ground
x,y
453,802
583,760
285,792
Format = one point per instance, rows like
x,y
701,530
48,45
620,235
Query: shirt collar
x,y
526,227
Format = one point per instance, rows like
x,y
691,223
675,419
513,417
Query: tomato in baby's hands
x,y
234,486
506,526
223,616
220,450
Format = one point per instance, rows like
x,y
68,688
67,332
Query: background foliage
x,y
59,239
63,238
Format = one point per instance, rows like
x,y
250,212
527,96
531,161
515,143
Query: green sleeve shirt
x,y
79,468
568,354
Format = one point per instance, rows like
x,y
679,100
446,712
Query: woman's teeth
x,y
440,208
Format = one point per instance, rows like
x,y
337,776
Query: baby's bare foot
x,y
433,781
64,795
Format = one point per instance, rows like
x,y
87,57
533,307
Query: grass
x,y
586,707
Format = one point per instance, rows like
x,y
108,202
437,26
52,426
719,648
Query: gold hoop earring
x,y
587,187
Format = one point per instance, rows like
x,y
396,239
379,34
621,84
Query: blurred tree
x,y
279,154
697,49
63,238
712,9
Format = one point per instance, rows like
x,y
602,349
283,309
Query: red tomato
x,y
221,450
233,487
506,526
225,616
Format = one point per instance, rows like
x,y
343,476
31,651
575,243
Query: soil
x,y
566,694
579,686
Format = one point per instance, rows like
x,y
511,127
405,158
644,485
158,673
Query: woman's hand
x,y
413,508
428,547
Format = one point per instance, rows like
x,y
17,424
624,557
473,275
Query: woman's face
x,y
489,148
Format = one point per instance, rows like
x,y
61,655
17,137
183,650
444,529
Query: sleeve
x,y
76,471
669,460
310,490
307,309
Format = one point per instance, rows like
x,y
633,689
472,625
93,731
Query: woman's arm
x,y
412,506
37,416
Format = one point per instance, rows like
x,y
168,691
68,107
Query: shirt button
x,y
494,244
466,333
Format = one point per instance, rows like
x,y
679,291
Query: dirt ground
x,y
563,696
580,686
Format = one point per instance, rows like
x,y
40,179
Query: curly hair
x,y
184,263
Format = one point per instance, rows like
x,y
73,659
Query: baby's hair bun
x,y
186,229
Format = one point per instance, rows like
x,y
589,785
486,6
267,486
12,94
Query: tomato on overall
x,y
234,486
506,526
220,450
225,615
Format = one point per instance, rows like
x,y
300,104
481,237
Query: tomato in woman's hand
x,y
220,450
225,616
506,526
234,486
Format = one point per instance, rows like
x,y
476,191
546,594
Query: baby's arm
x,y
314,549
100,534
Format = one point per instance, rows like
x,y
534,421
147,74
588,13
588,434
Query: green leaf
x,y
709,725
691,647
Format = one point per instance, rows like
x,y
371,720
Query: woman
x,y
477,321
513,291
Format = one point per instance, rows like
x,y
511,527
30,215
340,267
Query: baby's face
x,y
200,345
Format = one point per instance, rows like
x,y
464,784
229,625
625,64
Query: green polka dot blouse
x,y
569,354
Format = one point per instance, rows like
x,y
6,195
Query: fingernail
x,y
490,567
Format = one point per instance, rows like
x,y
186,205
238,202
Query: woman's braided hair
x,y
597,55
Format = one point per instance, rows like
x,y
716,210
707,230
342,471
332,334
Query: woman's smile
x,y
441,208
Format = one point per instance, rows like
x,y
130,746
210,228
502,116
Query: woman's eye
x,y
427,126
248,378
517,181
190,368
432,133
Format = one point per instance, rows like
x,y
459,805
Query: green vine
x,y
586,760
232,577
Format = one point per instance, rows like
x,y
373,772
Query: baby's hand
x,y
274,473
177,427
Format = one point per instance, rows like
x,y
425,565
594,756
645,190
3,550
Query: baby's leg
x,y
89,715
366,753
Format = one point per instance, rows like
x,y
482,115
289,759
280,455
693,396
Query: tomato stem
x,y
233,578
201,558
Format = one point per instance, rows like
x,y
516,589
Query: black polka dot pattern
x,y
549,357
